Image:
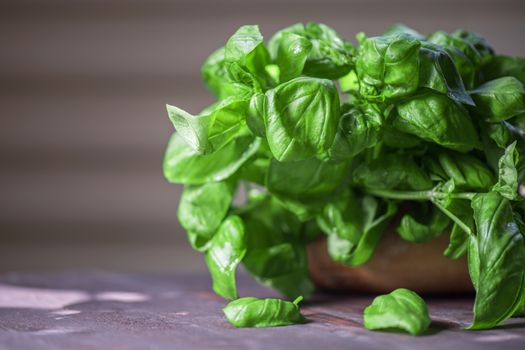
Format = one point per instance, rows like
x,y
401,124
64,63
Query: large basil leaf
x,y
438,119
301,118
430,224
499,251
500,99
226,250
388,66
507,184
359,128
401,310
183,165
202,209
254,312
392,171
212,129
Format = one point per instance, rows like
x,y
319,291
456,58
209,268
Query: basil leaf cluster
x,y
324,138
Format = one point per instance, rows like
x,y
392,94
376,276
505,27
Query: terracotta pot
x,y
395,264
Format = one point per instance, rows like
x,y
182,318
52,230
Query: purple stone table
x,y
84,310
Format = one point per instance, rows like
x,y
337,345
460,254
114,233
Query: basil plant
x,y
328,138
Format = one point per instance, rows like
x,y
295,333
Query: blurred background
x,y
83,85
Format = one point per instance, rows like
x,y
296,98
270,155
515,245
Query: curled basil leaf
x,y
254,312
500,99
400,310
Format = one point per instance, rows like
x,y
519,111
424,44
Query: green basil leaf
x,y
254,312
328,57
301,118
397,29
500,99
183,165
467,171
392,171
504,66
246,47
212,129
227,249
388,66
292,53
438,72
216,74
400,310
357,236
500,256
433,224
482,46
276,254
458,245
359,128
438,119
202,209
507,184
304,186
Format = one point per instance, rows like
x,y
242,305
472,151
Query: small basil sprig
x,y
254,312
400,310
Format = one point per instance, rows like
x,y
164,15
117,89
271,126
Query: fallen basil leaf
x,y
400,310
254,312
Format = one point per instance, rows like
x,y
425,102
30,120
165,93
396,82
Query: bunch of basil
x,y
328,138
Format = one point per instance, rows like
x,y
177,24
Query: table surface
x,y
101,310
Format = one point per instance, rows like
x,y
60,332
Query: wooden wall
x,y
83,127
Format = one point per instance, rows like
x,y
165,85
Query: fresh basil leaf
x,y
202,209
467,171
458,243
438,72
482,46
183,165
507,184
433,224
357,235
212,129
397,29
500,256
246,47
388,66
359,128
254,312
504,66
304,186
301,118
256,113
400,310
437,119
466,57
276,253
292,53
500,99
392,171
226,250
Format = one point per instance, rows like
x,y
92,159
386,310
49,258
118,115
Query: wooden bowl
x,y
395,263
